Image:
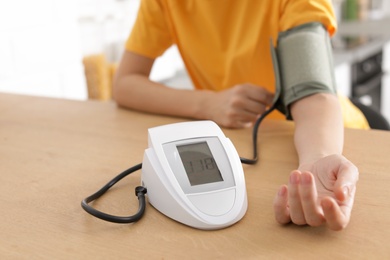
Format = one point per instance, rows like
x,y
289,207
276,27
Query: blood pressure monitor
x,y
193,175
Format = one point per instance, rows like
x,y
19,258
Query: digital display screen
x,y
199,163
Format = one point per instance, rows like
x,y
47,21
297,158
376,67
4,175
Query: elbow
x,y
316,105
123,91
118,90
316,100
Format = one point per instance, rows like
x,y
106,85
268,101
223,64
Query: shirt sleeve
x,y
150,35
298,12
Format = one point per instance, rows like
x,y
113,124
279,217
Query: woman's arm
x,y
235,108
133,89
319,127
322,189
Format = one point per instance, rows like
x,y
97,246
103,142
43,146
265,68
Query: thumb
x,y
347,177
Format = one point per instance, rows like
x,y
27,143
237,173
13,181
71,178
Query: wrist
x,y
307,163
204,98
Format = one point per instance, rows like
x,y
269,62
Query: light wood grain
x,y
54,152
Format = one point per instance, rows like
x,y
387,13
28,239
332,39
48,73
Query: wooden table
x,y
54,152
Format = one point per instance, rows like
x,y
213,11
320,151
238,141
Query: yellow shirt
x,y
223,42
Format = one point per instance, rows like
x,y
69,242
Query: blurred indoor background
x,y
59,48
70,48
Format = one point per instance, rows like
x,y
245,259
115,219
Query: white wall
x,y
40,48
42,43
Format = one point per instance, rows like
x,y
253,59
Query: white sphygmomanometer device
x,y
193,174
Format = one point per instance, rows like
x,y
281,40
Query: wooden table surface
x,y
55,152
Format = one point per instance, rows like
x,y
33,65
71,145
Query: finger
x,y
264,97
334,217
260,94
294,199
255,107
237,118
244,119
281,210
244,124
308,194
347,177
237,124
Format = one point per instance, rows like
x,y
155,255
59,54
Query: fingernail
x,y
282,191
248,125
294,178
305,178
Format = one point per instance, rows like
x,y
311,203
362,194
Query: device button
x,y
214,203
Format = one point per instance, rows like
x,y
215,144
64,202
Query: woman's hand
x,y
319,193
